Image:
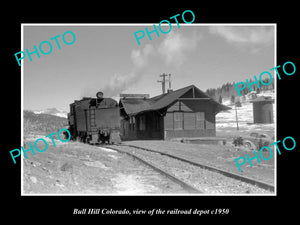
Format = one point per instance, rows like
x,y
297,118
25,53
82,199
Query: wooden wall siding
x,y
179,106
189,94
169,134
174,107
187,121
200,120
142,122
185,108
207,108
193,94
210,124
190,115
185,118
178,120
127,130
168,121
147,126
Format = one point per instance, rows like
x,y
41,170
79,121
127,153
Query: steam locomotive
x,y
95,120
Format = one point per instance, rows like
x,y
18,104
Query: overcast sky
x,y
108,58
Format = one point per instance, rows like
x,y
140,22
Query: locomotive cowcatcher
x,y
95,120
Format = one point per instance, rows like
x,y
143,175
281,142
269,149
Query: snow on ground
x,y
52,111
226,120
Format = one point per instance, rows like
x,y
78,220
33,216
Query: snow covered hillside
x,y
52,111
226,120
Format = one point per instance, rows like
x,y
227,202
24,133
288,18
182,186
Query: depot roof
x,y
134,106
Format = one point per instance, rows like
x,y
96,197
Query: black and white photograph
x,y
158,117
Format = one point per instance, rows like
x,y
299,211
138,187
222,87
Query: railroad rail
x,y
184,185
247,180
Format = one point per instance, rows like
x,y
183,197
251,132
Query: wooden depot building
x,y
185,113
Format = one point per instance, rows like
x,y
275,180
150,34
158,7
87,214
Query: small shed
x,y
186,112
263,109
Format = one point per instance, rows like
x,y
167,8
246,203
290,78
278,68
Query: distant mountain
x,y
52,111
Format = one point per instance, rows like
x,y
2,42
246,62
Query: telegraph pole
x,y
236,118
163,82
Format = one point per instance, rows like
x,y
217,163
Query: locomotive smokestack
x,y
99,95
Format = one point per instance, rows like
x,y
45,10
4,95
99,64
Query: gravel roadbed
x,y
217,156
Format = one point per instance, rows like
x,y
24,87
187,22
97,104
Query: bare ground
x,y
76,168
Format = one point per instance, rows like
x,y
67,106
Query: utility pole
x,y
163,82
236,117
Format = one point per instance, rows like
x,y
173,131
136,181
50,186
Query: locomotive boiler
x,y
95,120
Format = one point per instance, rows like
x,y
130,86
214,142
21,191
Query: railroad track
x,y
157,159
187,187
